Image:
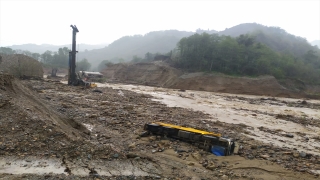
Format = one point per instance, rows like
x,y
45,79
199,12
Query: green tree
x,y
136,59
56,60
244,55
6,50
47,58
36,56
83,65
102,65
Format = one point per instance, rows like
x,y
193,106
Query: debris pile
x,y
21,66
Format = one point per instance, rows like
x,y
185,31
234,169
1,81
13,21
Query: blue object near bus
x,y
218,150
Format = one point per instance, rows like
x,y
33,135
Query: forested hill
x,y
274,37
164,41
128,46
246,56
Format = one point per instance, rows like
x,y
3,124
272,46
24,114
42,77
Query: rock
x,y
131,155
155,145
3,147
289,135
180,150
133,145
190,163
93,115
153,150
144,134
196,156
101,118
205,164
253,147
116,155
287,153
304,102
97,90
264,156
152,138
212,167
250,156
224,176
296,154
302,154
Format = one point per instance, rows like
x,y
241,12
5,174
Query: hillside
x,y
128,46
274,37
161,74
164,41
44,47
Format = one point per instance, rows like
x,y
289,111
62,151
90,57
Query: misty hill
x,y
128,46
316,43
200,31
274,37
164,41
44,47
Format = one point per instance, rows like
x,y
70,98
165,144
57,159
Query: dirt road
x,y
51,130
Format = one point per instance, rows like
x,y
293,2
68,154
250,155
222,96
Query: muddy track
x,y
276,102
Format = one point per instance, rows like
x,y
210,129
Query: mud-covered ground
x,y
53,131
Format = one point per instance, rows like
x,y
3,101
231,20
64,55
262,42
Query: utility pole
x,y
72,77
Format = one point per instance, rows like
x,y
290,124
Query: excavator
x,y
74,78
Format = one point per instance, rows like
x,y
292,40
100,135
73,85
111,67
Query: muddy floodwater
x,y
254,111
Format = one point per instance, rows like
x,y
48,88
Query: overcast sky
x,y
48,22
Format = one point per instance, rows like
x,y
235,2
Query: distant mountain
x,y
244,28
129,46
274,37
200,31
44,47
315,43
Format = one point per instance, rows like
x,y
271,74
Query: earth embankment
x,y
21,66
162,75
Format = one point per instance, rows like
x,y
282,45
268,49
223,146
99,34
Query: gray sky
x,y
99,22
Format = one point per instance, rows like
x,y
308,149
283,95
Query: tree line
x,y
243,56
51,59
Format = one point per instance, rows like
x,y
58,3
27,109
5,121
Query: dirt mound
x,y
5,81
161,74
30,127
155,73
265,85
21,66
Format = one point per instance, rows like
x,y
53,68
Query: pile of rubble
x,y
21,66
